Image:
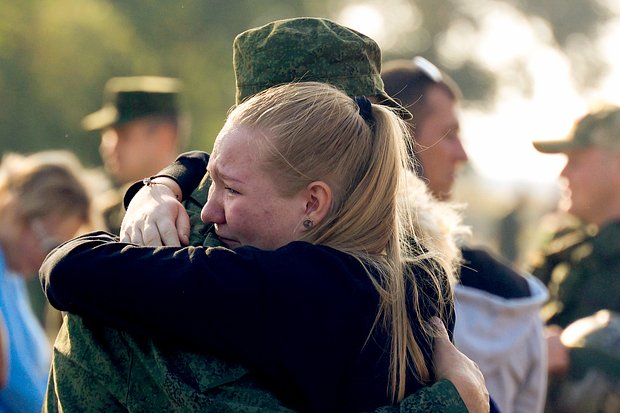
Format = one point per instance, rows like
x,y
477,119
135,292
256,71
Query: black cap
x,y
130,98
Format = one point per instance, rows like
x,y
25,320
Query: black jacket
x,y
300,316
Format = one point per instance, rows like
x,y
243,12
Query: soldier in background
x,y
583,264
142,130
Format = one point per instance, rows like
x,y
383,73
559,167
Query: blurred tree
x,y
55,55
422,27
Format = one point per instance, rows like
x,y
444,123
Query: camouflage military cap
x,y
309,49
129,98
599,128
594,343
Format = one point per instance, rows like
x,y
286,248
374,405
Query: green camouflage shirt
x,y
98,369
583,273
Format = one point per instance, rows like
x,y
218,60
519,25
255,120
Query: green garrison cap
x,y
129,98
309,49
599,128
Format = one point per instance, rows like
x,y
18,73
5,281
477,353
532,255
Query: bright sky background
x,y
499,141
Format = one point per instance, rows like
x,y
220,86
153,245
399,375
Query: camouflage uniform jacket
x,y
97,369
584,276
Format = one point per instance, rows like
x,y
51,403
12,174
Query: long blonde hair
x,y
380,213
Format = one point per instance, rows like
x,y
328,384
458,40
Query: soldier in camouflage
x,y
134,374
582,263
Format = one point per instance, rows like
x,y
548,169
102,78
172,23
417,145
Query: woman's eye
x,y
230,190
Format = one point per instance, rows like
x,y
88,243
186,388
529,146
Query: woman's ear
x,y
319,201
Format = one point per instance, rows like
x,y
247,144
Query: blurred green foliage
x,y
55,56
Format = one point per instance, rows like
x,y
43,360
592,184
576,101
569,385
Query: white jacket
x,y
505,338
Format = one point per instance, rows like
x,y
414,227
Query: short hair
x,y
409,80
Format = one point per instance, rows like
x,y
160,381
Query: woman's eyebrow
x,y
215,172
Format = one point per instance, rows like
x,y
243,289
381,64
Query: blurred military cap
x,y
309,49
599,128
129,98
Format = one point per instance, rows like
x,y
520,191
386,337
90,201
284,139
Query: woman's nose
x,y
213,212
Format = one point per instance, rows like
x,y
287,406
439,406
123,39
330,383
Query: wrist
x,y
164,181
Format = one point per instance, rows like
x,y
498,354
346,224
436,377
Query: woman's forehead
x,y
235,148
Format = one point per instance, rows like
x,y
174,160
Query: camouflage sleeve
x,y
441,397
100,369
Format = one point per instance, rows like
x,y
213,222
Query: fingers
x,y
167,234
151,235
131,234
464,373
152,217
183,226
440,328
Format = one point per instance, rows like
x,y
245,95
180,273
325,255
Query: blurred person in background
x,y
3,352
142,130
43,202
582,265
497,320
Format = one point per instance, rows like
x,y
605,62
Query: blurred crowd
x,y
545,334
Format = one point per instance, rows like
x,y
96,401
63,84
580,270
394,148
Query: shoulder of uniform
x,y
570,239
607,241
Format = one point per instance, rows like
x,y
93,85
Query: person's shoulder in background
x,y
484,271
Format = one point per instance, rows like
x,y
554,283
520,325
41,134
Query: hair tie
x,y
364,108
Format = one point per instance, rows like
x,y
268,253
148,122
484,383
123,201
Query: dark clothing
x,y
187,170
134,374
588,279
563,237
485,272
300,316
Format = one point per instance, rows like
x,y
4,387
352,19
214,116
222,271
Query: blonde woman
x,y
327,283
43,202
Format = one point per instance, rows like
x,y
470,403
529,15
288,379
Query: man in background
x,y
582,266
141,132
497,320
